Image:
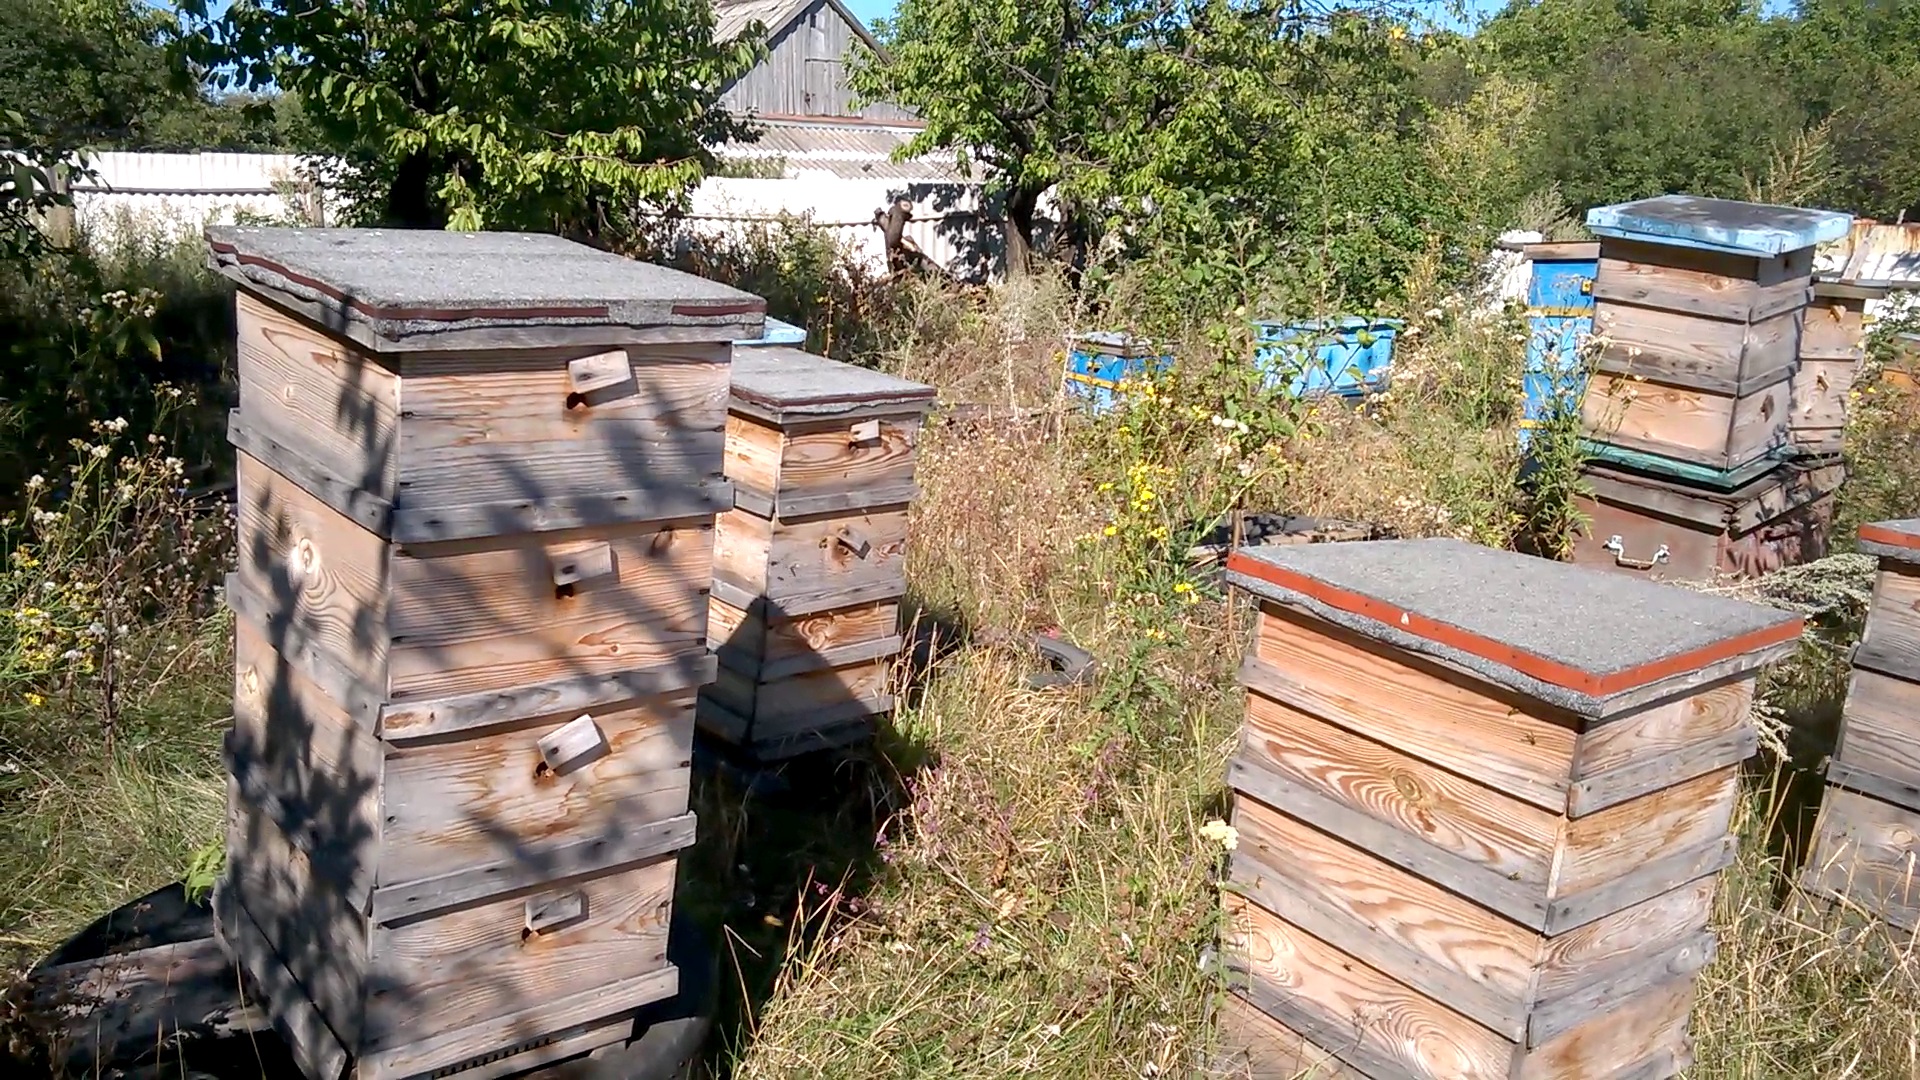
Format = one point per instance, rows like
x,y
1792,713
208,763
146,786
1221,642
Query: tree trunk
x,y
1021,203
409,201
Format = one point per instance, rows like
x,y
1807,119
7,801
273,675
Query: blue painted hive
x,y
1559,319
778,333
1347,356
1097,362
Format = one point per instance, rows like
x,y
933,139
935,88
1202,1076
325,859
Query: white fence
x,y
183,193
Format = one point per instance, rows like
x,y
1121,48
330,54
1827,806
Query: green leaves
x,y
497,114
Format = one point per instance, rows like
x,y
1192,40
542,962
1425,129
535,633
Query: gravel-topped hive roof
x,y
1576,638
1896,540
782,385
1742,228
402,290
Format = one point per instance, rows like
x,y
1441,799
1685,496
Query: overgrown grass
x,y
1013,881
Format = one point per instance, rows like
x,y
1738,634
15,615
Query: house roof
x,y
732,17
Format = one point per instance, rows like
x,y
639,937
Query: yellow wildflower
x,y
36,700
1112,529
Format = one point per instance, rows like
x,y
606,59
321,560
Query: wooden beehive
x,y
1699,305
1832,344
1867,840
1669,528
811,562
1481,801
477,483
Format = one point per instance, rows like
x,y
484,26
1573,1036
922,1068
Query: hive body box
x,y
1700,304
1868,835
477,482
1832,344
1481,802
810,563
1665,527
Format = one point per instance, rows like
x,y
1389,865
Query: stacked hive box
x,y
810,564
1481,802
1699,305
478,478
1832,344
1868,836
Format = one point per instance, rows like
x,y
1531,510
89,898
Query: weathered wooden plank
x,y
794,725
1647,879
1867,853
1599,846
1254,1046
825,458
551,865
324,579
1903,793
1555,1017
301,464
797,604
478,964
338,404
1442,945
319,1052
335,848
814,504
1622,941
411,721
796,638
753,455
1608,789
1523,904
491,799
551,514
1486,827
1890,644
360,699
814,556
478,615
747,662
1368,1018
1621,1042
1880,730
1406,703
1690,425
1658,730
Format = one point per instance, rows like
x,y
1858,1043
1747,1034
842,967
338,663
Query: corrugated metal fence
x,y
182,193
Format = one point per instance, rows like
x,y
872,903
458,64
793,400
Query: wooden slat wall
x,y
1503,889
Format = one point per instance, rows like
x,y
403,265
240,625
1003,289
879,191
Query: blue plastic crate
x,y
1097,362
1559,319
1348,356
778,333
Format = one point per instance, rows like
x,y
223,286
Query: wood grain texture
x,y
317,1050
753,453
1705,537
492,427
1834,330
1890,645
1623,939
1603,791
320,391
303,914
1658,730
1682,960
1696,426
300,463
1478,824
1434,941
742,549
1636,883
475,802
1867,852
1613,1042
470,616
820,458
1880,728
1732,358
1255,1046
796,638
467,967
1603,846
809,557
436,718
1380,1014
1421,709
324,579
776,707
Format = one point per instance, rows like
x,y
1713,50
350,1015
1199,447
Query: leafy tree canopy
x,y
492,113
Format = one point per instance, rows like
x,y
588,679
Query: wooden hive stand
x,y
1699,304
1867,839
1481,800
1832,345
811,561
478,479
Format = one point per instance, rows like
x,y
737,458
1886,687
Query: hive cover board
x,y
786,386
1484,797
1740,228
400,290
